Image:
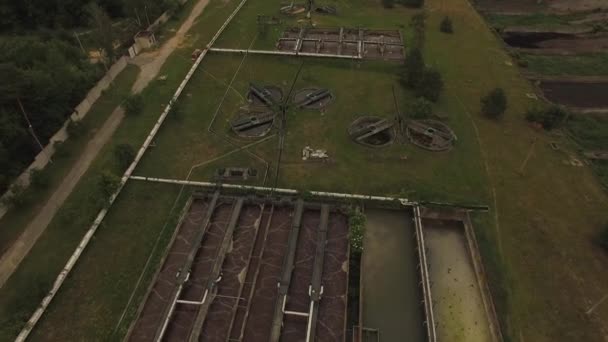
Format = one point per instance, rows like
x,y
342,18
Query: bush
x,y
60,150
446,25
388,3
356,223
430,85
549,118
603,238
107,183
17,197
39,179
421,108
176,110
124,155
134,104
494,104
75,129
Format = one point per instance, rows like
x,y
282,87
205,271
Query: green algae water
x,y
392,297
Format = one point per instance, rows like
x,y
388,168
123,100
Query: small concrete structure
x,y
236,173
145,39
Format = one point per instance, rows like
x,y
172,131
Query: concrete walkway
x,y
150,64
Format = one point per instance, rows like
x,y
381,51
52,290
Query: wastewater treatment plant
x,y
330,170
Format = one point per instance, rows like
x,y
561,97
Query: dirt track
x,y
150,65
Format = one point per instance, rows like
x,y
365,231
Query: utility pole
x,y
146,11
137,16
31,129
79,42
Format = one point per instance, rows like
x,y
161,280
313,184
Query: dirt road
x,y
150,64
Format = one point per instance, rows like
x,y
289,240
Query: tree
x,y
418,24
124,155
414,68
103,33
446,25
494,104
134,104
388,3
421,108
430,85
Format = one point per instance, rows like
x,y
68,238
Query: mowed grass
x,y
501,21
576,65
15,220
360,89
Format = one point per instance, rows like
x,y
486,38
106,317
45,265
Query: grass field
x,y
535,239
501,21
575,65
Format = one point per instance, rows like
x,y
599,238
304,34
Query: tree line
x,y
28,15
46,73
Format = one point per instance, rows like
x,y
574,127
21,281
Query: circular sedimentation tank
x,y
275,94
252,122
430,135
313,98
372,131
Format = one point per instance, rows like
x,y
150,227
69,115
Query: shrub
x,y
124,155
39,179
75,129
494,104
430,85
60,150
134,104
388,3
446,25
17,197
549,118
356,223
421,108
108,183
176,110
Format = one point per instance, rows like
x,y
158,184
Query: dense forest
x,y
45,73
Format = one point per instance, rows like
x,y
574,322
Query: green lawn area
x,y
575,65
534,240
501,21
15,219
